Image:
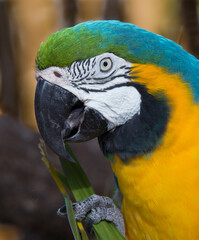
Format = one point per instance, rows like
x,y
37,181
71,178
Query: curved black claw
x,y
89,225
62,211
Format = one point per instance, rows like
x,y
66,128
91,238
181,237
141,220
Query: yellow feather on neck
x,y
161,189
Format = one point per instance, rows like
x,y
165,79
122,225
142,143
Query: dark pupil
x,y
105,64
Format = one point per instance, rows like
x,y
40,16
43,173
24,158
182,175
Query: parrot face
x,y
110,80
89,97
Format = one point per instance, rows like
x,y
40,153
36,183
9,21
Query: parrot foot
x,y
99,208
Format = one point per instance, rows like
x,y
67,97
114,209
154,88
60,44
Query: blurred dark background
x,y
28,196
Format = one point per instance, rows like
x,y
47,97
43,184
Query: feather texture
x,y
160,190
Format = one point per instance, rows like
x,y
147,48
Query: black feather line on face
x,y
141,134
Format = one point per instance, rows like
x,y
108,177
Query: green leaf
x,y
83,232
57,178
76,181
71,217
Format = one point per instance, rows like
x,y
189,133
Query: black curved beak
x,y
62,117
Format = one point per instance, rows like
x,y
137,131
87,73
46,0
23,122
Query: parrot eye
x,y
106,64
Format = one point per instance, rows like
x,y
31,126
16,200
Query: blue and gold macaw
x,y
138,92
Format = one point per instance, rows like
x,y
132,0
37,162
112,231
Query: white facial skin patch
x,y
100,83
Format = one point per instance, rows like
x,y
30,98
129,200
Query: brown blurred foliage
x,y
28,196
190,18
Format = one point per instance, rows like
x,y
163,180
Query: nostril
x,y
57,74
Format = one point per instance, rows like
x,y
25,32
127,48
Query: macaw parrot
x,y
138,92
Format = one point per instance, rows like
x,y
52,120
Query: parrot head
x,y
110,80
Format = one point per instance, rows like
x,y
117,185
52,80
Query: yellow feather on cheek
x,y
161,190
